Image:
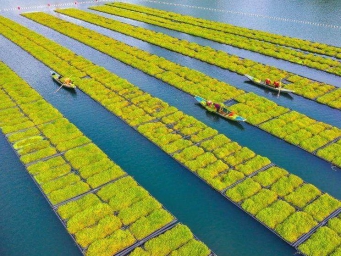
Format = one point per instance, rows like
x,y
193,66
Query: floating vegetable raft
x,y
257,110
244,178
104,210
313,90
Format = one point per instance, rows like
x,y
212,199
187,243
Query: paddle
x,y
59,88
279,88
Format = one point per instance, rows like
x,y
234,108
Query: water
x,y
222,226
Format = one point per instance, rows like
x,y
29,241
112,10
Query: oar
x,y
59,88
279,88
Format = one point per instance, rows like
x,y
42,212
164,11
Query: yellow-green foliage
x,y
298,224
335,224
112,244
322,207
270,176
104,227
23,134
148,224
52,173
322,242
303,195
43,166
259,201
70,209
275,213
243,190
138,209
193,247
70,191
88,217
169,241
59,183
253,165
286,184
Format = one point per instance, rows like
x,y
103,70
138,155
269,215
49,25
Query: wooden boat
x,y
223,111
263,84
63,82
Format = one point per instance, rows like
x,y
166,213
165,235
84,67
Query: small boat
x,y
263,84
62,81
222,111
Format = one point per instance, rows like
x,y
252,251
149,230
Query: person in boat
x,y
217,106
267,81
67,81
277,84
231,113
209,103
59,77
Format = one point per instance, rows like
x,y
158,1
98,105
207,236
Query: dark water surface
x,y
27,224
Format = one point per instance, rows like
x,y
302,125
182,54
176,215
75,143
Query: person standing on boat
x,y
217,106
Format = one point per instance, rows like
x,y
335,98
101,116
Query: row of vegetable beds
x,y
67,166
183,24
313,90
220,162
254,108
297,43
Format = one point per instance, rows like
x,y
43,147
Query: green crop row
x,y
90,220
256,109
302,86
256,45
228,28
177,241
174,121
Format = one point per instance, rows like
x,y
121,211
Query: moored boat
x,y
62,81
219,109
270,87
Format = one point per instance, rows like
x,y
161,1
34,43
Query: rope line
x,y
182,5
